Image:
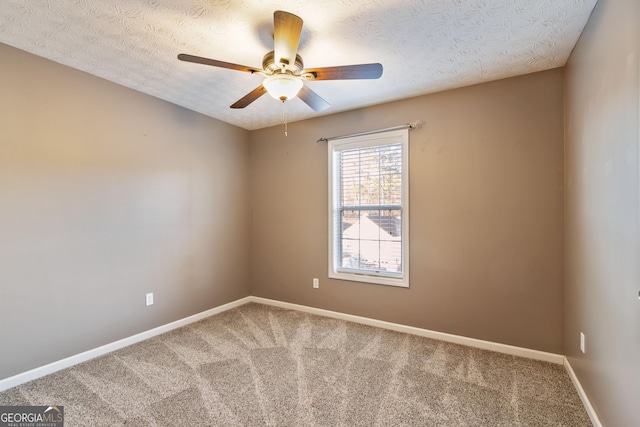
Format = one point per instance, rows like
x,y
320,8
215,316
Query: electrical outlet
x,y
149,299
582,344
316,283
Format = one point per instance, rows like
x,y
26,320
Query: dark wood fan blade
x,y
312,99
360,71
287,28
216,63
250,97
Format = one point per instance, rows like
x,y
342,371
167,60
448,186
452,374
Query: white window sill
x,y
401,282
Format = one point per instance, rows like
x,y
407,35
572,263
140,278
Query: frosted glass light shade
x,y
282,86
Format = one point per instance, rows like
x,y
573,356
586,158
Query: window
x,y
368,208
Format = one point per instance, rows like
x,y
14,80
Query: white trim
x,y
33,374
41,371
558,359
583,396
336,146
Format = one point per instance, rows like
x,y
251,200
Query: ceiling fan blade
x,y
312,99
360,71
216,63
287,28
250,97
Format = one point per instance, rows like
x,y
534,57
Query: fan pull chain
x,y
284,118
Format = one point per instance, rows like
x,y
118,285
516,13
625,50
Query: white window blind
x,y
369,208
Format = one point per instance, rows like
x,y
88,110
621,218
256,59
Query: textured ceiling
x,y
424,46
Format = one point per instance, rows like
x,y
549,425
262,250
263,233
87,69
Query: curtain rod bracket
x,y
417,124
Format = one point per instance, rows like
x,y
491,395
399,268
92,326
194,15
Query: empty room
x,y
338,213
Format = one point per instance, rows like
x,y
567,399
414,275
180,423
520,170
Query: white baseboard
x,y
583,396
41,371
456,339
33,374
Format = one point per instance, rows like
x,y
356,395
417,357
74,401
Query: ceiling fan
x,y
284,70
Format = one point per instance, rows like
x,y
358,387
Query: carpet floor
x,y
258,365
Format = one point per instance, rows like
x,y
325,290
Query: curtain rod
x,y
413,125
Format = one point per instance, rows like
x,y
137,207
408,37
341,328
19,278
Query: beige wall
x,y
486,177
107,194
602,255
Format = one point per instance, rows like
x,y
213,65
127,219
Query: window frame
x,y
334,148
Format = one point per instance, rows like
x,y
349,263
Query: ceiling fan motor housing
x,y
271,67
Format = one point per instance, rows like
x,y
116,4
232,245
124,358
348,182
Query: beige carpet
x,y
259,365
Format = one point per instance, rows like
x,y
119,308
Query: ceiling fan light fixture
x,y
283,86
